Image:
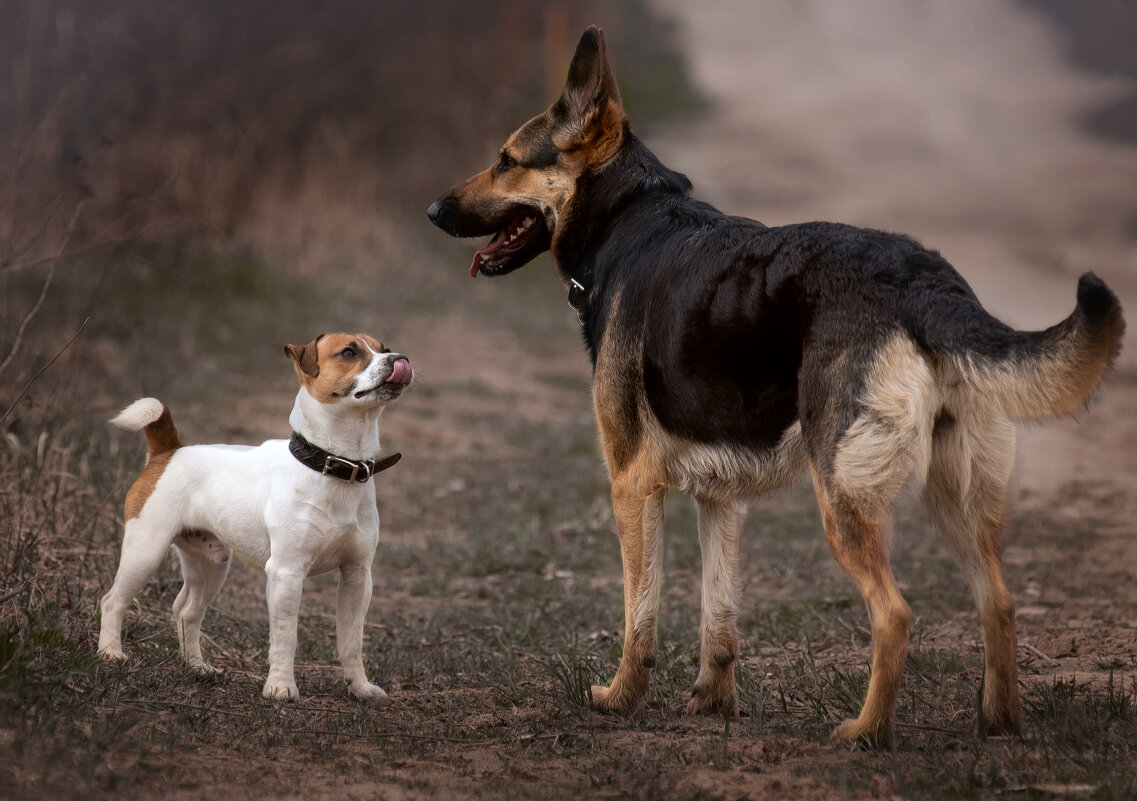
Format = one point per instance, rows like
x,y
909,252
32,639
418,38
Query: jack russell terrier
x,y
297,507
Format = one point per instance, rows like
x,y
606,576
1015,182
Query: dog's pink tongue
x,y
400,372
488,250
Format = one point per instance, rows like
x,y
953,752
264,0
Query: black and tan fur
x,y
730,357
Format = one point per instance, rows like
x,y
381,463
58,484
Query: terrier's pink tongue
x,y
400,372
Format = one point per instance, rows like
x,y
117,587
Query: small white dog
x,y
298,507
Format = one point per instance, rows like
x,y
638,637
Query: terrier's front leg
x,y
284,585
351,614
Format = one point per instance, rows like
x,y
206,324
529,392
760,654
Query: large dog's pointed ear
x,y
590,101
306,357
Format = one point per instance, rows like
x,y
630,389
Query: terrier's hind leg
x,y
205,565
143,549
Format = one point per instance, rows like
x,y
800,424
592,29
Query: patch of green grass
x,y
1074,715
574,671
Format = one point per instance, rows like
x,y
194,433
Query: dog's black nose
x,y
434,210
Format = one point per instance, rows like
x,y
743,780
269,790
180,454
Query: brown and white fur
x,y
210,500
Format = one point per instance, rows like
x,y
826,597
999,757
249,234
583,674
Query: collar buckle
x,y
331,462
332,466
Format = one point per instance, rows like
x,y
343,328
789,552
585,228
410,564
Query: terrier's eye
x,y
348,352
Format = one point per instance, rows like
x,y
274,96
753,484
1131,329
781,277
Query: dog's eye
x,y
348,352
507,162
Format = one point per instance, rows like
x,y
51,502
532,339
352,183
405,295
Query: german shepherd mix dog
x,y
729,356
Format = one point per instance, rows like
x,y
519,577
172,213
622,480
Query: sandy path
x,y
952,122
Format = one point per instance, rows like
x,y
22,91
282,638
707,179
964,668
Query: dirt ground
x,y
953,122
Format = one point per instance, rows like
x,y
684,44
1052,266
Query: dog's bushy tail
x,y
153,417
1053,372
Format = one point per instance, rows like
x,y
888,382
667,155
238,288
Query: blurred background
x,y
177,167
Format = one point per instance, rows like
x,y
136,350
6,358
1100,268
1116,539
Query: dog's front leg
x,y
720,540
352,600
638,506
285,582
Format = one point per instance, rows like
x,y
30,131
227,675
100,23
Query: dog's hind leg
x,y
972,457
858,540
858,476
638,506
143,549
720,538
205,565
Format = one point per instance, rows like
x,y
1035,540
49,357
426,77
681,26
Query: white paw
x,y
203,669
113,653
281,690
366,690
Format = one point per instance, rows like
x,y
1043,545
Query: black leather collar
x,y
329,464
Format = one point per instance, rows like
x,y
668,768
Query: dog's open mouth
x,y
514,245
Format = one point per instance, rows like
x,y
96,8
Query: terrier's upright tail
x,y
151,416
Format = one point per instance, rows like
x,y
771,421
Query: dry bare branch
x,y
67,232
43,369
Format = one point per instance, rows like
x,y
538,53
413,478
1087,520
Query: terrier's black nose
x,y
434,210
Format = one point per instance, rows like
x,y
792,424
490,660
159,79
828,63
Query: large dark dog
x,y
728,357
